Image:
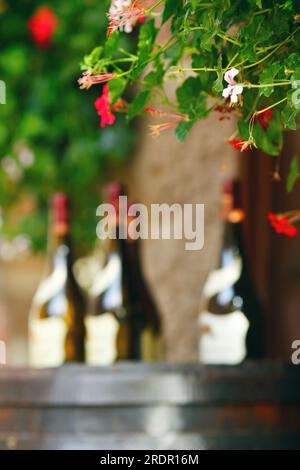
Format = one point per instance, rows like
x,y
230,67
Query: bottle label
x,y
151,346
47,342
106,276
53,284
222,278
222,338
101,339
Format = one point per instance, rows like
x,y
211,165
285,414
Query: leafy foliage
x,y
293,174
259,38
47,118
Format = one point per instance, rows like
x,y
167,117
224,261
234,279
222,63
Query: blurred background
x,y
50,139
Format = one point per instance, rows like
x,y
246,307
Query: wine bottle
x,y
56,320
122,322
147,344
107,322
231,324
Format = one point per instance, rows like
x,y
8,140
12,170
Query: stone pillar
x,y
166,171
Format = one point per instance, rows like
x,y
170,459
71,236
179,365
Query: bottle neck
x,y
60,251
60,235
60,221
232,236
113,244
232,216
232,248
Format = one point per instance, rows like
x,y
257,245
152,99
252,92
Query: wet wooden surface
x,y
138,406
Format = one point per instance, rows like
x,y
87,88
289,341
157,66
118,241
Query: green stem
x,y
221,35
229,39
125,59
156,4
270,107
253,107
128,54
261,50
263,85
262,12
196,69
231,60
270,53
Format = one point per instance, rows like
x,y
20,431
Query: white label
x,y
51,286
101,339
47,342
106,276
222,338
222,278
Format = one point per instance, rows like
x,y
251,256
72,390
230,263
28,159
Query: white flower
x,y
118,6
233,90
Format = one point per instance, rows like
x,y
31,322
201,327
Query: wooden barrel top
x,y
144,406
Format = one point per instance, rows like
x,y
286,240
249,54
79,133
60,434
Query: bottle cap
x,y
232,201
112,191
60,212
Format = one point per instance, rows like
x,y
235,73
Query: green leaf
x,y
191,100
138,104
169,10
91,59
288,115
218,83
174,53
293,61
155,77
258,3
183,129
146,40
270,140
111,45
116,88
267,77
293,174
294,94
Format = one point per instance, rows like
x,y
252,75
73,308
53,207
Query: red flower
x,y
282,225
42,26
103,106
240,144
264,117
224,111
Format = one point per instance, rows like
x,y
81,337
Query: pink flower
x,y
233,90
103,107
42,26
157,129
88,79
